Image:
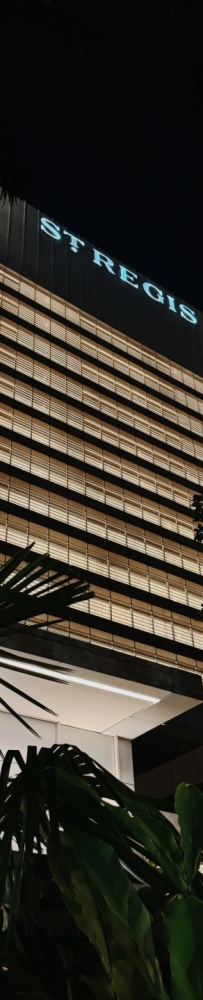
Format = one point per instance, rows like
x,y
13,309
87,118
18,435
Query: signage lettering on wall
x,y
118,270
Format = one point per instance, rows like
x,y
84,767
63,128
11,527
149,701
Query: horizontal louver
x,y
100,451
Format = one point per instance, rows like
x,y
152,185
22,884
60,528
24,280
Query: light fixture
x,y
67,678
113,690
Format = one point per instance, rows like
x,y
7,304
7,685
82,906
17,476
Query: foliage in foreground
x,y
31,588
127,914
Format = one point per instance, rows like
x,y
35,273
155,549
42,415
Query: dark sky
x,y
103,109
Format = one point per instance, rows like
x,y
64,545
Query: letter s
x,y
187,313
50,228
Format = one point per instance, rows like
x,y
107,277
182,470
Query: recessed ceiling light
x,y
70,678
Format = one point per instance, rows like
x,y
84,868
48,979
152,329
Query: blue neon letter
x,y
188,314
50,228
128,276
171,303
74,241
150,289
100,258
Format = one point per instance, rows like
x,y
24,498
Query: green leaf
x,y
5,842
16,890
189,807
79,899
124,983
184,939
81,805
130,917
88,871
5,771
138,819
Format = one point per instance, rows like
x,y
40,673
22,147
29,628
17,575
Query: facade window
x,y
100,453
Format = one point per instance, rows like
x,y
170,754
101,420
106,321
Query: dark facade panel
x,y
148,313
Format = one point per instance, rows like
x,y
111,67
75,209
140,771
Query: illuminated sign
x,y
120,271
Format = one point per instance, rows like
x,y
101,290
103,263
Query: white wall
x,y
113,753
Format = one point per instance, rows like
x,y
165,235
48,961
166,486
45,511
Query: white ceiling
x,y
92,709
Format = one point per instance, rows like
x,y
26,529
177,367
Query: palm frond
x,y
17,690
73,792
31,588
17,716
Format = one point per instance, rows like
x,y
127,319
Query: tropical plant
x,y
33,590
126,919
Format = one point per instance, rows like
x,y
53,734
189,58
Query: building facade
x,y
101,378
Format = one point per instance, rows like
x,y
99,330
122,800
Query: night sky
x,y
103,115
